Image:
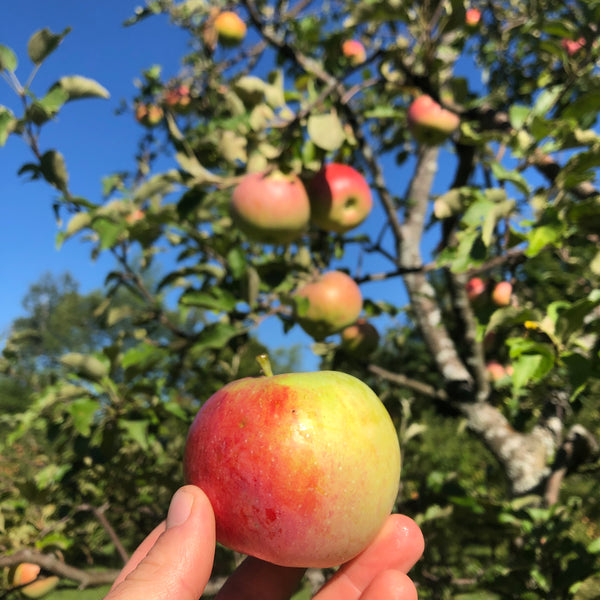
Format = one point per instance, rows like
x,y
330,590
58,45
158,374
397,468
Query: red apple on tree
x,y
472,17
429,123
271,207
328,304
573,46
475,287
302,469
354,51
340,198
502,293
230,28
178,98
360,339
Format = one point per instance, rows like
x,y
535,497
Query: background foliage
x,y
97,391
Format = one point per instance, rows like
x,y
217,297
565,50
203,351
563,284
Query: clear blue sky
x,y
93,139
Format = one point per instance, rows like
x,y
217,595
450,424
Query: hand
x,y
175,562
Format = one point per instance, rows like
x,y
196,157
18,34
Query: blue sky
x,y
94,142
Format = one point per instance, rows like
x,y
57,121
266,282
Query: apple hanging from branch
x,y
354,51
360,339
302,469
231,29
429,123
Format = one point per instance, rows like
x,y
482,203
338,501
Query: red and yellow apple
x,y
354,51
148,114
475,287
340,198
472,17
272,208
502,293
178,98
429,123
360,339
301,469
28,576
230,28
328,304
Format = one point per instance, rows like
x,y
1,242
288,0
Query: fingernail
x,y
180,508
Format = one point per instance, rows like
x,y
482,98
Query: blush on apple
x,y
502,293
429,123
271,208
301,469
340,198
475,287
230,28
360,339
328,304
354,51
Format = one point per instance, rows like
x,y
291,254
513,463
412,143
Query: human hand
x,y
175,562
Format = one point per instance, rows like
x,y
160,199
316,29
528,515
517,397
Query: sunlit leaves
x,y
43,42
8,59
77,87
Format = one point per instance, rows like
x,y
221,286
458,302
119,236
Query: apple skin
x,y
301,469
340,198
230,28
334,302
271,208
502,293
360,339
475,287
472,17
429,123
354,51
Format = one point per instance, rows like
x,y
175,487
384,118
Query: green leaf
x,y
88,367
77,87
82,412
143,357
216,335
543,236
54,170
518,115
7,124
50,474
594,547
8,59
108,230
503,174
43,42
136,431
326,131
215,299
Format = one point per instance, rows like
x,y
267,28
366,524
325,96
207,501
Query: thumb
x,y
176,559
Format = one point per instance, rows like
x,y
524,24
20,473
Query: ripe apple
x,y
495,370
475,287
502,293
148,114
430,123
472,17
28,573
340,198
354,51
178,99
573,46
135,216
230,28
302,469
271,208
328,304
360,339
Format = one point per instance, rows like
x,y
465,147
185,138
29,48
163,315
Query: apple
x,y
178,98
430,123
302,469
573,46
360,339
328,304
354,51
475,287
230,28
148,114
271,207
340,198
495,370
135,216
502,293
472,17
28,576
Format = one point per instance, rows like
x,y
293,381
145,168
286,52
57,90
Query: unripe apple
x,y
271,208
354,51
502,293
334,302
301,469
340,198
472,17
495,370
28,573
230,28
429,123
360,339
475,287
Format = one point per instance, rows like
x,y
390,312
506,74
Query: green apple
x,y
271,208
327,304
302,469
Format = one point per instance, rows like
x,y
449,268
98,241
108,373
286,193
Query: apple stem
x,y
265,364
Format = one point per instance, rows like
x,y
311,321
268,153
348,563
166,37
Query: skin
x,y
271,208
175,562
340,198
256,439
335,301
429,122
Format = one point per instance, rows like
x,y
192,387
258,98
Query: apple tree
x,y
477,267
